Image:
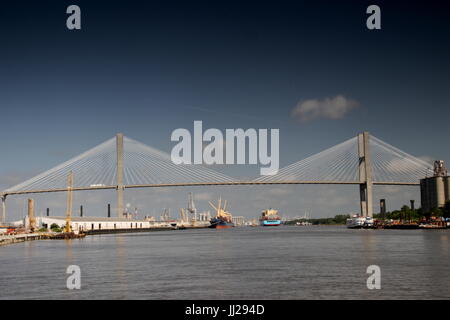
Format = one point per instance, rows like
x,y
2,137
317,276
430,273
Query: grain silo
x,y
434,191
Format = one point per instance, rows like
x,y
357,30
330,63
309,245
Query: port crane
x,y
165,215
221,211
191,206
184,215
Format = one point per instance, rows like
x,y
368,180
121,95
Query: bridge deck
x,y
194,184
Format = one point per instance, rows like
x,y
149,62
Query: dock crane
x,y
221,211
191,206
183,215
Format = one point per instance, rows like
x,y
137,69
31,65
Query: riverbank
x,y
134,230
17,238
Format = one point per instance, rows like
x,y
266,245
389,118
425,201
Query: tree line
x,y
405,213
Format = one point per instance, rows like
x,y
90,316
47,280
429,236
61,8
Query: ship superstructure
x,y
270,218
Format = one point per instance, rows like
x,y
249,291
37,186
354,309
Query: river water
x,y
287,262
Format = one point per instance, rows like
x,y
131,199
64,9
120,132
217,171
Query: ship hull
x,y
270,223
221,224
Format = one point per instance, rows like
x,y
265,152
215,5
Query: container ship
x,y
223,219
270,218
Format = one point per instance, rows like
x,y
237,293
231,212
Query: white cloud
x,y
328,108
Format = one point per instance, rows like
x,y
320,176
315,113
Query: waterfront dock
x,y
134,230
16,238
22,237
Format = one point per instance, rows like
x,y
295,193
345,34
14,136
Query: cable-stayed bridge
x,y
123,163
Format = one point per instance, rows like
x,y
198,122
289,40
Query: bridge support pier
x,y
365,175
3,209
120,188
31,217
362,199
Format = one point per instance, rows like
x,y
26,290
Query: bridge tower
x,y
120,188
69,201
365,175
3,209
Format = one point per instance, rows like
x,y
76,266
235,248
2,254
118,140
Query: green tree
x,y
55,228
436,212
341,218
446,209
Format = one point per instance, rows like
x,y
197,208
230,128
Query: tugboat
x,y
223,219
270,218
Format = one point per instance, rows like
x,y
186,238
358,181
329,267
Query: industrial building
x,y
238,220
435,190
79,224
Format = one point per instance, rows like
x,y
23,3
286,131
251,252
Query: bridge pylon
x,y
365,175
3,196
120,187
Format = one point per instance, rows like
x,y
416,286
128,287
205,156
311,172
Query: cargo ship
x,y
223,219
270,218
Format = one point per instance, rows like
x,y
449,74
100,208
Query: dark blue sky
x,y
146,68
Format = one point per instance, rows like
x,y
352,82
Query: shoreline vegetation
x,y
404,214
339,219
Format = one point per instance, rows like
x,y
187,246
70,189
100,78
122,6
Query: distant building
x,y
435,191
204,216
238,220
93,223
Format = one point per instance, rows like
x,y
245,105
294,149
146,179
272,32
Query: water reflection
x,y
120,266
69,253
444,243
